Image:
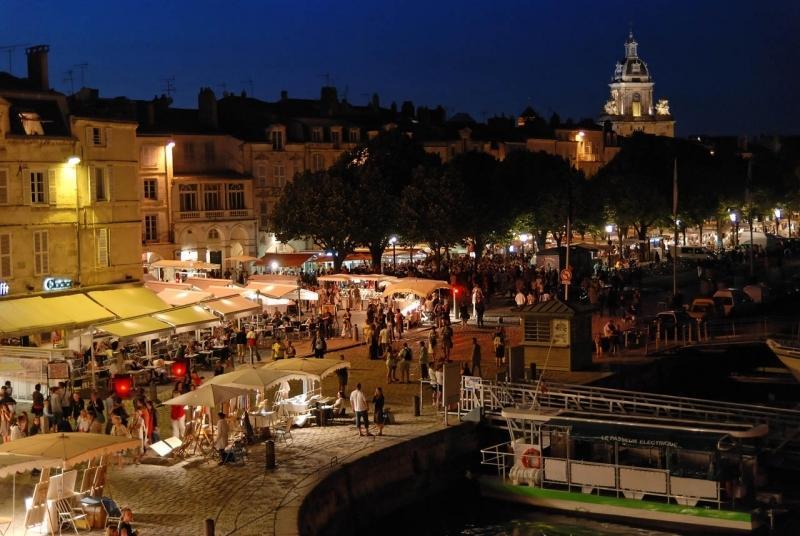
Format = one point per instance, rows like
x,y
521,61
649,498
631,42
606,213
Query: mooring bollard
x,y
209,527
269,454
416,405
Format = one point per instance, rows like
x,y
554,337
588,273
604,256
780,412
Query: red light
x,y
123,385
179,369
455,291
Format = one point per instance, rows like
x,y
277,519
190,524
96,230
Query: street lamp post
x,y
735,228
777,213
393,242
524,237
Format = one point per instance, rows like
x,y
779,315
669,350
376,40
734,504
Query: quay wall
x,y
355,495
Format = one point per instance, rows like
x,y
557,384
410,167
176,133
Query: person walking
x,y
342,375
380,417
499,347
424,359
241,343
359,404
447,340
177,416
404,363
252,345
476,358
221,437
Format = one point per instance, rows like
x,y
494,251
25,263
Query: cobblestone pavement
x,y
176,499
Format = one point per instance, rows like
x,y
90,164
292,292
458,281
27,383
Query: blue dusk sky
x,y
727,67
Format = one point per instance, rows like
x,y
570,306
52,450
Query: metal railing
x,y
214,214
498,456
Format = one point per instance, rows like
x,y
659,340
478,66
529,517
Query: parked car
x,y
732,301
702,309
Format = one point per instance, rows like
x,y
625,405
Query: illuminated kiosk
x,y
564,331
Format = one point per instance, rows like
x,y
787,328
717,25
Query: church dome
x,y
631,68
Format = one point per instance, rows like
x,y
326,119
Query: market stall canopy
x,y
70,447
338,278
193,316
79,309
305,294
177,297
359,256
130,301
248,378
224,292
29,315
285,260
412,285
242,258
14,463
208,395
184,265
158,286
302,368
272,290
274,278
233,307
374,277
202,283
132,328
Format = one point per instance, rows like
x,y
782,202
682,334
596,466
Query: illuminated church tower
x,y
631,106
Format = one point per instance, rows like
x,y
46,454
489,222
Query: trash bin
x,y
355,332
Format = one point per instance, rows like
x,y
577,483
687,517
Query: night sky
x,y
727,66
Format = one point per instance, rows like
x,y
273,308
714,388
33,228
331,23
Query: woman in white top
x,y
84,421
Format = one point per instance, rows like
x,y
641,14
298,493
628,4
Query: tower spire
x,y
631,45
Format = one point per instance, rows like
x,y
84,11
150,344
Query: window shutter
x,y
5,255
89,136
51,187
102,248
4,195
93,184
109,178
45,252
26,187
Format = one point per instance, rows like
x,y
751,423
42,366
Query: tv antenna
x,y
83,67
169,85
10,49
249,83
69,77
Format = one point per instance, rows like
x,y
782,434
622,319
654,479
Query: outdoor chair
x,y
283,431
69,516
113,512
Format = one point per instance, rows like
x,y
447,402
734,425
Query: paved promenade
x,y
245,500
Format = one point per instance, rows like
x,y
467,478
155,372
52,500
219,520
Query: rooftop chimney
x,y
37,66
207,108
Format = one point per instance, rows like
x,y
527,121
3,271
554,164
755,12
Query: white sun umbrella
x,y
243,258
208,395
69,447
10,464
249,378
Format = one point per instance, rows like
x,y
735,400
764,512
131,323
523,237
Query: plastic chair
x,y
283,431
113,512
68,515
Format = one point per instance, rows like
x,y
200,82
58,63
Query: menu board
x,y
58,370
560,331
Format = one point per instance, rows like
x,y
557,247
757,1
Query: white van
x,y
692,253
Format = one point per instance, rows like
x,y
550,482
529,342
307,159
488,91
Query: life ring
x,y
531,458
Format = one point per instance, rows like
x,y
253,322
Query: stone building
x,y
68,190
631,106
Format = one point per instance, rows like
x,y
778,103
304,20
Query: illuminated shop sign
x,y
56,283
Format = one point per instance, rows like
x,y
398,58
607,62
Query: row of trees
x,y
391,186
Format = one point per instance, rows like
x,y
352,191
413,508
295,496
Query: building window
x,y
101,241
100,184
188,151
211,198
279,176
353,135
213,234
277,140
316,134
261,175
151,228
263,214
317,162
636,105
3,186
537,330
148,156
31,123
41,253
151,189
235,196
336,137
188,197
210,156
5,255
38,187
96,136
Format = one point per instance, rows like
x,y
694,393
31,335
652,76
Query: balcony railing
x,y
214,214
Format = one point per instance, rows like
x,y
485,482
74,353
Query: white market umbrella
x,y
69,447
250,378
302,368
11,464
242,258
209,395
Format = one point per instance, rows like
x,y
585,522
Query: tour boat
x,y
640,469
789,354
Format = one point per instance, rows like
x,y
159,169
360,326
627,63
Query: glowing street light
x,y
777,213
523,237
74,160
735,224
274,266
393,242
170,145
